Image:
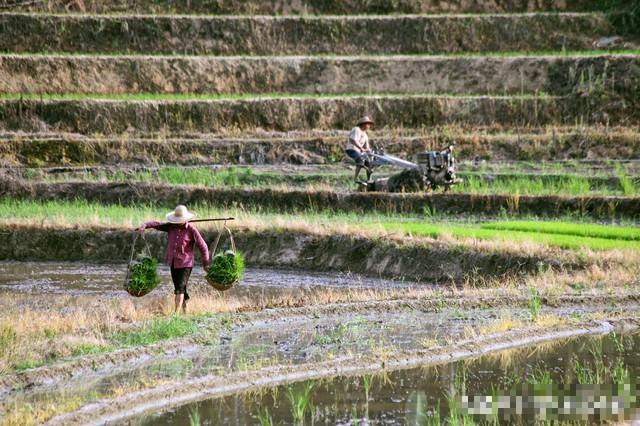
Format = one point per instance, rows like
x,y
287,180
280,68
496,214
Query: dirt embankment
x,y
300,35
37,151
283,7
288,114
85,74
301,201
420,260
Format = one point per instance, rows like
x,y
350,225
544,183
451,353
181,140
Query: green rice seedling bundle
x,y
143,276
226,269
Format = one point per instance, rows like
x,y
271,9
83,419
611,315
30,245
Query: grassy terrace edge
x,y
302,35
124,77
310,201
335,112
416,259
189,97
586,53
579,234
619,182
547,144
305,7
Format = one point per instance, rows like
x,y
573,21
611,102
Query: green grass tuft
x,y
153,331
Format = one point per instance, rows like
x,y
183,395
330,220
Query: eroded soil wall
x,y
72,150
300,201
109,117
415,260
263,35
128,74
281,7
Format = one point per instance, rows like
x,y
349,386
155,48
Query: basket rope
x,y
212,251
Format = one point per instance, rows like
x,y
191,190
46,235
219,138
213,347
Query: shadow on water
x,y
583,379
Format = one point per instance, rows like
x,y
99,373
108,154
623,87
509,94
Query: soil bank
x,y
419,260
302,35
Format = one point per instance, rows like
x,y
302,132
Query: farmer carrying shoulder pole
x,y
182,237
358,146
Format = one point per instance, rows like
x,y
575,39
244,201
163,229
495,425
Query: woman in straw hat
x,y
358,146
182,238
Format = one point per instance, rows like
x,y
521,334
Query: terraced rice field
x,y
357,307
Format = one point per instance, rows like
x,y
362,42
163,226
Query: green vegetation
x,y
570,185
143,276
155,330
559,234
627,184
535,304
554,237
563,228
88,349
27,364
341,179
264,417
226,269
194,415
300,401
227,177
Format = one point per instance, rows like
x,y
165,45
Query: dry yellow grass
x,y
501,325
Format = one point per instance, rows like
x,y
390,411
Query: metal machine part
x,y
438,168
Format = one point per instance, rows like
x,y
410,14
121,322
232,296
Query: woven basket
x,y
212,283
132,263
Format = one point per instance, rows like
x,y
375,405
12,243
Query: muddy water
x,y
68,278
416,396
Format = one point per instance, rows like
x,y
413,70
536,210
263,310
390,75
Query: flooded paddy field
x,y
240,346
107,280
580,379
355,308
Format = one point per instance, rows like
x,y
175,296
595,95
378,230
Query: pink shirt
x,y
181,242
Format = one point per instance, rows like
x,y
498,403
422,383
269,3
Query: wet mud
x,y
106,280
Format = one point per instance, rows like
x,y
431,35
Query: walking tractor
x,y
432,170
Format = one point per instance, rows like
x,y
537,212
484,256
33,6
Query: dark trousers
x,y
180,277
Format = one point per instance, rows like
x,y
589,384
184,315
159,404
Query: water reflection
x,y
583,379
